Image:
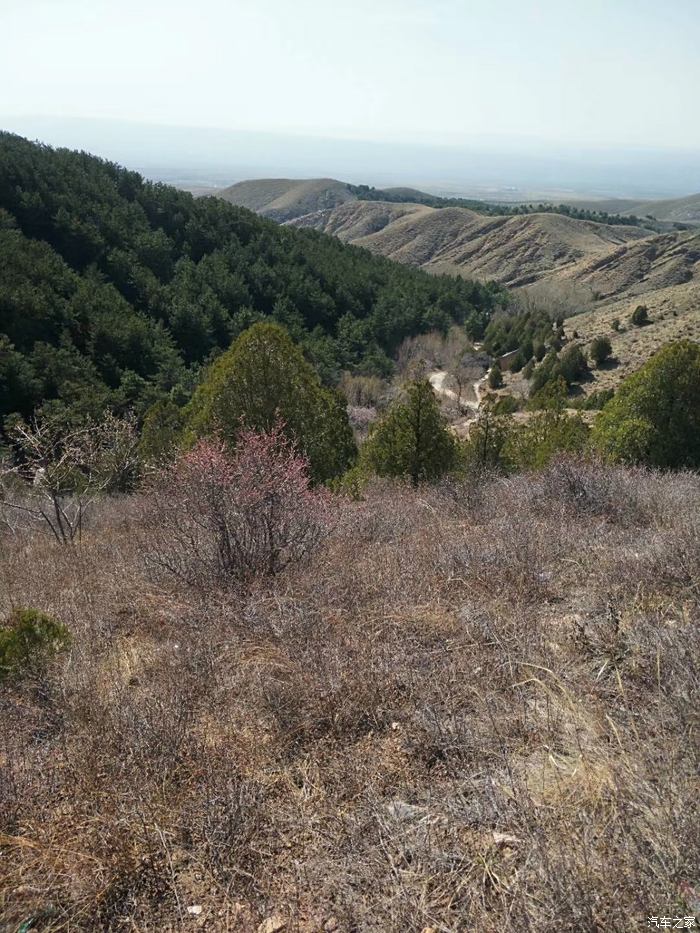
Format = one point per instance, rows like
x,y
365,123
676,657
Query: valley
x,y
594,274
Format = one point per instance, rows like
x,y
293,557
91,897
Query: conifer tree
x,y
413,440
264,379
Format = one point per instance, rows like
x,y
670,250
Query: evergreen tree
x,y
655,415
600,350
162,432
550,432
413,440
262,379
640,316
495,377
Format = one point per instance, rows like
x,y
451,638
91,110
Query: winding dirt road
x,y
437,381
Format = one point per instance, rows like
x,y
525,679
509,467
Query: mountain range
x,y
599,272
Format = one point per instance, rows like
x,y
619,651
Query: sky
x,y
529,74
593,72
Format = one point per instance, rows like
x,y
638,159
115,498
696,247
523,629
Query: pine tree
x,y
264,379
413,440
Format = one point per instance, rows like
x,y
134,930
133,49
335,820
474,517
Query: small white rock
x,y
505,839
195,910
272,924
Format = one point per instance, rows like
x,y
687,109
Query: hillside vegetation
x,y
114,291
592,274
284,657
471,707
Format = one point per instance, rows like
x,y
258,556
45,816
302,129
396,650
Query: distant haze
x,y
591,96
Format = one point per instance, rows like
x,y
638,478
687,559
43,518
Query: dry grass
x,y
475,708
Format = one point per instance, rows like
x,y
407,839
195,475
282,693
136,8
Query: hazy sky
x,y
598,72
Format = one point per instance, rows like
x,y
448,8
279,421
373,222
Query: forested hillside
x,y
114,290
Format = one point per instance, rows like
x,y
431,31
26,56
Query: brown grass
x,y
474,709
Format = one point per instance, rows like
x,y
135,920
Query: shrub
x,y
553,394
62,469
413,439
27,638
544,372
228,518
572,364
161,433
550,432
655,416
640,316
615,324
596,401
506,405
483,449
361,391
495,377
600,350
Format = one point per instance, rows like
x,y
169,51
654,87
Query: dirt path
x,y
437,381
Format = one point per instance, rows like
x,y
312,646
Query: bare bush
x,y
60,471
362,391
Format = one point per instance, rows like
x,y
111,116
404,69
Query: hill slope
x,y
675,210
663,274
512,250
284,199
114,291
568,264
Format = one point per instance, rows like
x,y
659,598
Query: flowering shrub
x,y
218,516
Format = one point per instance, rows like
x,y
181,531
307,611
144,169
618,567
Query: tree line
x,y
402,196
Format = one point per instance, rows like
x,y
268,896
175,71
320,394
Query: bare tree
x,y
58,472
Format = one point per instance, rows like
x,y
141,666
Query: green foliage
x,y
546,371
529,331
550,432
263,378
615,324
495,377
572,364
570,367
353,483
654,417
161,433
483,449
413,439
596,401
114,291
640,316
411,196
27,638
505,405
553,395
600,350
